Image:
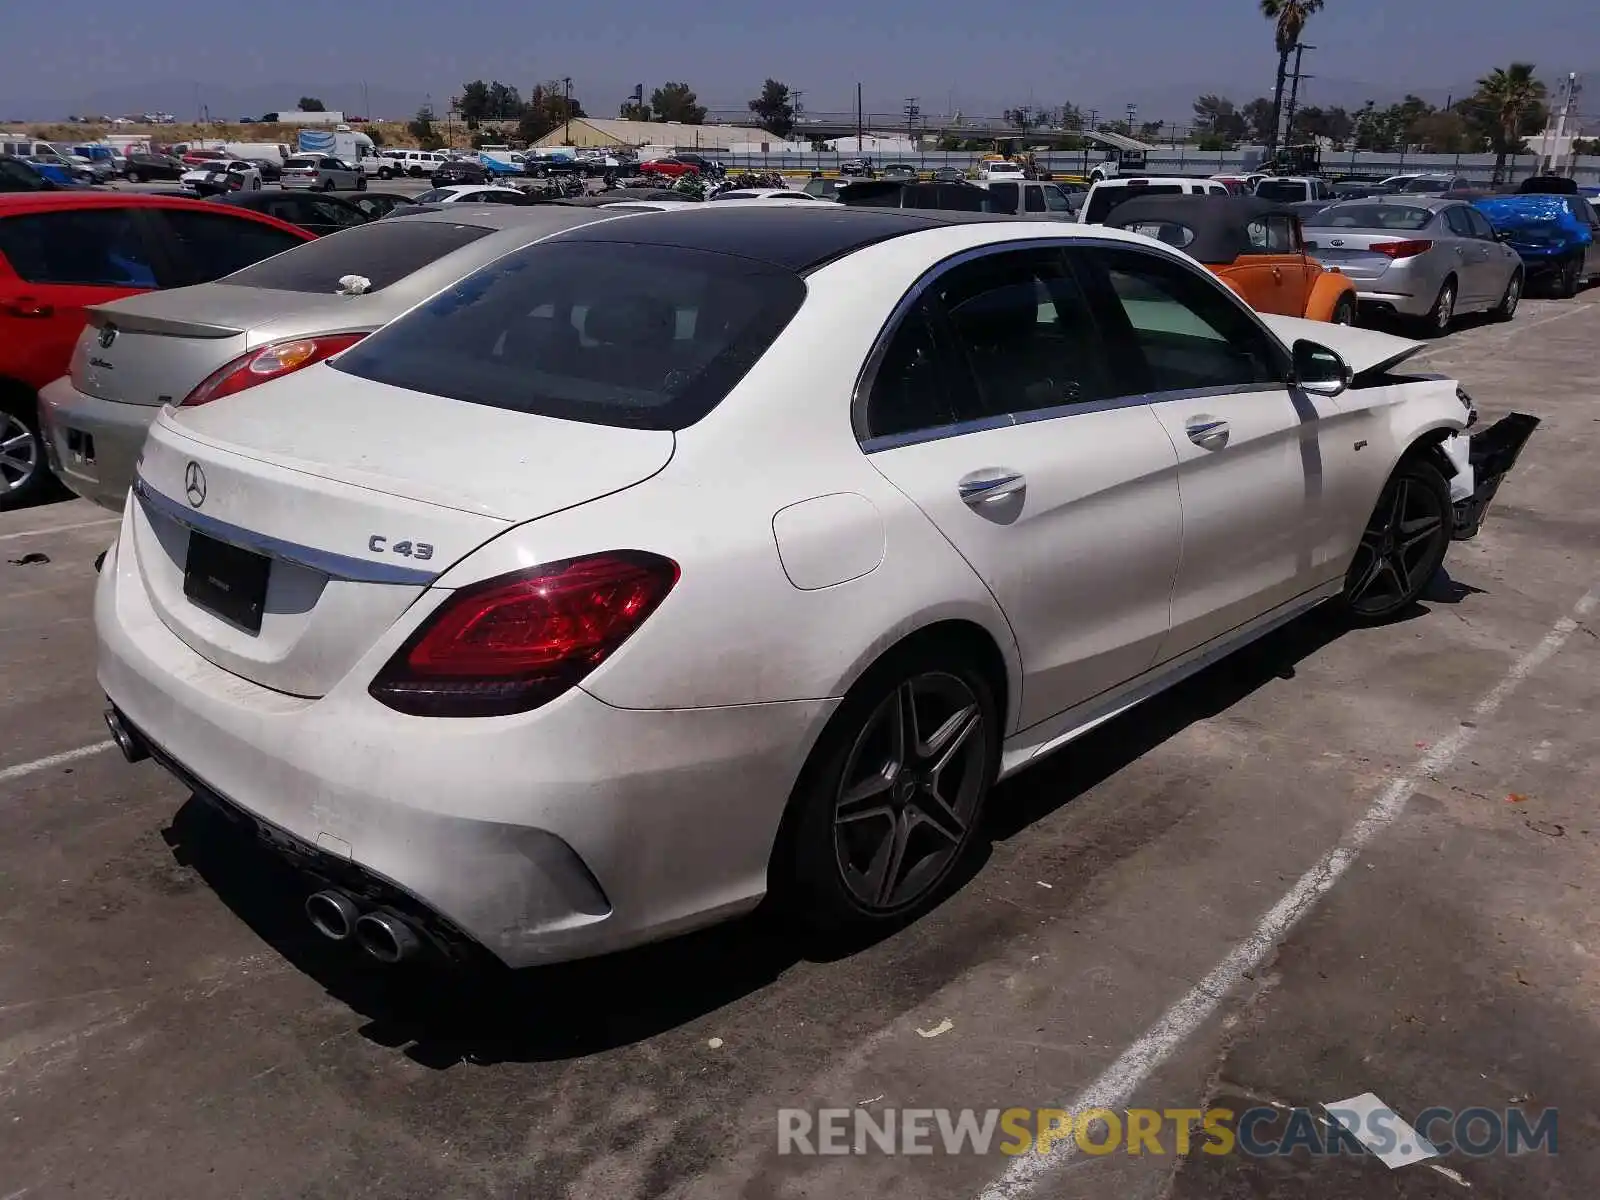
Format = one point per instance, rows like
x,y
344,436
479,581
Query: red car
x,y
195,157
61,251
672,166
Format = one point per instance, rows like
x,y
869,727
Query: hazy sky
x,y
59,56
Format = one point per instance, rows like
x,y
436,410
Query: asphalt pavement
x,y
1342,862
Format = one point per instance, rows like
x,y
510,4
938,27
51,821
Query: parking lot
x,y
1341,862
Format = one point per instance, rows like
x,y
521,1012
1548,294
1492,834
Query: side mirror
x,y
1502,235
1319,370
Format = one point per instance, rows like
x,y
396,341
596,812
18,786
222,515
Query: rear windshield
x,y
649,337
436,196
1426,185
1369,216
309,163
1107,198
384,252
1278,189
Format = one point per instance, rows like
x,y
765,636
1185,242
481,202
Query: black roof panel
x,y
1215,225
798,238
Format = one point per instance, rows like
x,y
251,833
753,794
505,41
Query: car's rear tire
x,y
891,800
1403,544
1567,278
1344,310
1507,308
135,177
385,174
361,183
25,476
1443,313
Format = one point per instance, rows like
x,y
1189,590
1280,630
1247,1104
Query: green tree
x,y
774,109
1216,119
546,109
1312,122
505,102
1020,117
312,104
1150,131
421,128
1071,117
1258,116
1439,133
474,103
677,102
632,110
1288,19
1507,107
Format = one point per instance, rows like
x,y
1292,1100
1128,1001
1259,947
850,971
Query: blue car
x,y
1558,237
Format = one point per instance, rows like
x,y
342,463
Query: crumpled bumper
x,y
1482,461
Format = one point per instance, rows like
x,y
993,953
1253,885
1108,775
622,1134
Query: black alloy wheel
x,y
1403,544
892,799
1344,310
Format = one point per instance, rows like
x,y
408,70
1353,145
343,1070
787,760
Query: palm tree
x,y
1289,19
1506,97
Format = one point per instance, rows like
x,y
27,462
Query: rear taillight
x,y
1401,249
512,643
266,364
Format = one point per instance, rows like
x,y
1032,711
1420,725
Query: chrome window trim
x,y
894,441
325,562
868,375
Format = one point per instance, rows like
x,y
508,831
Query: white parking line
x,y
6,537
1116,1085
55,760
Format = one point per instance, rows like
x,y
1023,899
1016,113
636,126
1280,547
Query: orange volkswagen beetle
x,y
1254,246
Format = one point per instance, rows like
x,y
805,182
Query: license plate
x,y
227,581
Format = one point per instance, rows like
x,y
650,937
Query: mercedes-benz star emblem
x,y
194,484
108,334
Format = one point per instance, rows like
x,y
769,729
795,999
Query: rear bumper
x,y
93,444
570,831
1490,456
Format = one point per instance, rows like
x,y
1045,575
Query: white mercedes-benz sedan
x,y
689,556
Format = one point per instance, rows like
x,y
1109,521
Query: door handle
x,y
990,484
28,306
1277,274
1207,432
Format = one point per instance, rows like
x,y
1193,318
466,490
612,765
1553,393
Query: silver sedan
x,y
1419,257
188,346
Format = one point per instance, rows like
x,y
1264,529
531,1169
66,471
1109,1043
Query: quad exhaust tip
x,y
387,937
333,914
132,748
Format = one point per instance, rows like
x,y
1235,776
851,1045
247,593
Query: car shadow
x,y
442,1016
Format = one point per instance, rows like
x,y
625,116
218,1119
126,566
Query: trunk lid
x,y
1350,250
167,343
351,493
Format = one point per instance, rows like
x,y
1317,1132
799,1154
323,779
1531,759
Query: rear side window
x,y
98,247
1003,197
302,164
649,337
1279,189
213,244
384,252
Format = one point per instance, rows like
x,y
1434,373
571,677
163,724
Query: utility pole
x,y
566,108
1094,122
859,121
1556,127
912,111
794,103
1294,93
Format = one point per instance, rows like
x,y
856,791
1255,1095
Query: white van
x,y
1106,194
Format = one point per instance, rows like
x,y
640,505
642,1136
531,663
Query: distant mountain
x,y
227,103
